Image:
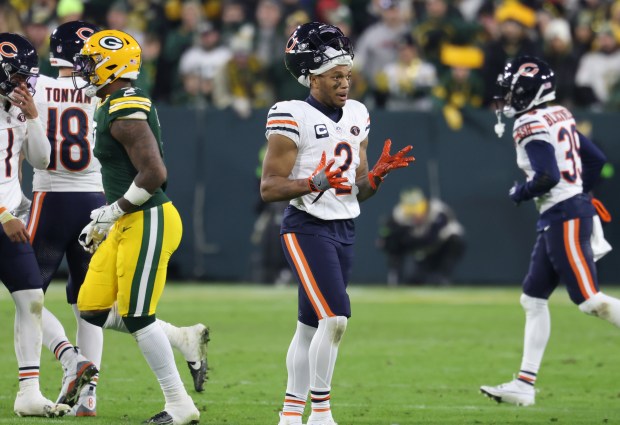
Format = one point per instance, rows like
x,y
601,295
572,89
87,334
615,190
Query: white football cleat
x,y
194,348
290,420
33,403
183,413
316,420
513,392
86,404
75,378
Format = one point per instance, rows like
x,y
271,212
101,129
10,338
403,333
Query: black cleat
x,y
162,418
199,374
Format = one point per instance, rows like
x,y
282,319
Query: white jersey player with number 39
x,y
556,126
562,166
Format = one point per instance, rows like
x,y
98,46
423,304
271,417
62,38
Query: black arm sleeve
x,y
547,174
592,161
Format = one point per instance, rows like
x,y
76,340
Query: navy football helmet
x,y
314,48
17,57
67,40
526,82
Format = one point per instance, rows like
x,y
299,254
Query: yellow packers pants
x,y
130,265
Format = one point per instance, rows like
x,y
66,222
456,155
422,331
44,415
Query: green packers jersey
x,y
116,168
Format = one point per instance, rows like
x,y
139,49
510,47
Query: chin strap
x,y
500,127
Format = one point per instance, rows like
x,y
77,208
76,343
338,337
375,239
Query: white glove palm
x,y
103,218
90,239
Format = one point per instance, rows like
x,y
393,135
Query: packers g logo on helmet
x,y
105,57
110,42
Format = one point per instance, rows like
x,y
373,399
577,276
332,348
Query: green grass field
x,y
410,356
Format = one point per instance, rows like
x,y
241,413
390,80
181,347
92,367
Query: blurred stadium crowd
x,y
410,54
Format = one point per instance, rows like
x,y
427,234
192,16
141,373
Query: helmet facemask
x,y
10,80
84,69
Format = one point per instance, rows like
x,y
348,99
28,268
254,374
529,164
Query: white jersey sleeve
x,y
314,133
554,125
12,136
67,117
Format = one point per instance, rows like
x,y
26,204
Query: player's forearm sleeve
x,y
547,173
37,147
592,162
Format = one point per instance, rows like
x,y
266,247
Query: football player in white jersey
x,y
316,158
562,166
64,195
21,133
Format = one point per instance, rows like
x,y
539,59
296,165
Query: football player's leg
x,y
48,239
192,342
298,362
20,274
88,337
578,270
149,239
48,235
95,299
298,373
539,284
90,340
297,356
53,214
322,266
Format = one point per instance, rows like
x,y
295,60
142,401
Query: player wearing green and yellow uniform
x,y
142,229
140,225
117,170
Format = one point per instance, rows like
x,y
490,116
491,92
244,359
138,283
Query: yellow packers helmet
x,y
105,57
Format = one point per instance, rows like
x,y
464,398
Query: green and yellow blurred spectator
x,y
406,83
461,87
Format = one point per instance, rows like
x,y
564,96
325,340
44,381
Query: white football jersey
x,y
67,117
12,135
314,133
554,125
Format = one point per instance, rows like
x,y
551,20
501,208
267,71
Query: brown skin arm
x,y
361,175
279,160
141,146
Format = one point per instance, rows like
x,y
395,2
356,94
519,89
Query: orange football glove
x,y
325,178
601,210
387,163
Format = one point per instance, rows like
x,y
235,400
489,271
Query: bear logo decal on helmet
x,y
84,32
5,49
528,69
